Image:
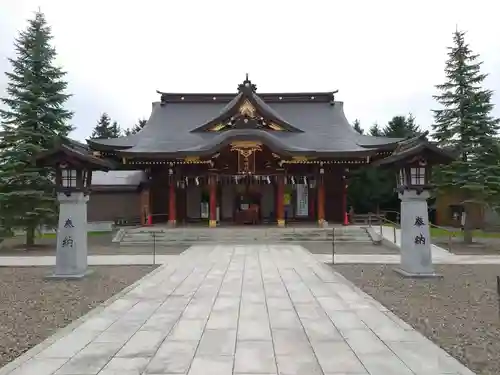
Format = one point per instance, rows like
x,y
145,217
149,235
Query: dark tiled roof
x,y
325,129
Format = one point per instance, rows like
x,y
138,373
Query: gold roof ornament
x,y
247,109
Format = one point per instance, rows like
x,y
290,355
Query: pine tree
x,y
102,128
465,125
115,130
375,130
137,127
32,118
105,129
401,127
357,126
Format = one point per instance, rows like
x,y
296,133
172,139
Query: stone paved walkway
x,y
221,310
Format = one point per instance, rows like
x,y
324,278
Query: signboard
x,y
302,200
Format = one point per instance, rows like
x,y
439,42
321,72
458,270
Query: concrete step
x,y
242,235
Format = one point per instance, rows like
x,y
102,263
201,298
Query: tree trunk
x,y
30,237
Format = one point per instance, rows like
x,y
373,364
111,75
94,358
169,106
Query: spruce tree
x,y
357,126
401,127
105,129
137,127
102,128
33,116
464,124
375,130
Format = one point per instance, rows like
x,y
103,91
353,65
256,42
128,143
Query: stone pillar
x,y
71,253
280,204
416,256
172,212
212,223
321,202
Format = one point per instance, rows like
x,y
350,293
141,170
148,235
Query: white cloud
x,y
385,57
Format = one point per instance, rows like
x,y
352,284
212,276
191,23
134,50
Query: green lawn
x,y
439,232
90,234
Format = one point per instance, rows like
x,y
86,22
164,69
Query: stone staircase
x,y
190,235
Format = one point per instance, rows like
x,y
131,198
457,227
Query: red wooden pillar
x,y
344,200
145,211
321,198
280,203
172,209
212,222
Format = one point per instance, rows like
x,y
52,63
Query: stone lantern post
x,y
73,166
413,160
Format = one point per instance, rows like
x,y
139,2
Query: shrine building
x,y
241,158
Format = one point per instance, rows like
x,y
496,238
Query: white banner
x,y
302,200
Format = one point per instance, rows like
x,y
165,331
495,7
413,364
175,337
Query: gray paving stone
x,y
142,344
90,360
226,304
42,366
254,329
290,342
69,345
217,342
385,364
187,329
321,330
223,320
212,365
127,366
298,364
310,310
336,356
286,319
364,341
214,305
254,357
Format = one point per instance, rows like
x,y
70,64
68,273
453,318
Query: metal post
x,y
498,286
333,245
380,220
154,247
394,231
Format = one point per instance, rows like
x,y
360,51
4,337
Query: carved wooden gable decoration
x,y
246,155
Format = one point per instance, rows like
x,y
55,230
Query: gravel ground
x,y
459,312
32,308
481,246
347,248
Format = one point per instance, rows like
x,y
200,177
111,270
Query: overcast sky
x,y
384,56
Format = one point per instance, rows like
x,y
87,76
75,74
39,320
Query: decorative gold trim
x,y
276,127
247,109
212,223
191,159
281,223
217,127
300,158
246,144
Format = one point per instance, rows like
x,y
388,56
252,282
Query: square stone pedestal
x,y
416,255
71,254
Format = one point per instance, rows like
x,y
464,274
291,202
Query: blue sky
x,y
384,56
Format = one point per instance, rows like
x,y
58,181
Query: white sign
x,y
302,200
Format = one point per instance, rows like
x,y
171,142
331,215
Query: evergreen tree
x,y
137,127
105,129
401,127
357,126
375,130
32,118
464,124
115,130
